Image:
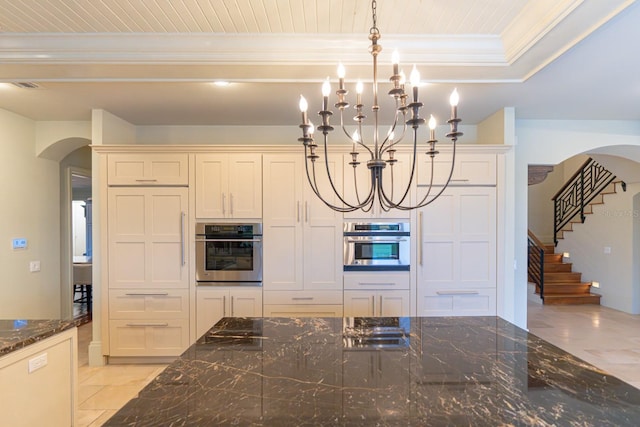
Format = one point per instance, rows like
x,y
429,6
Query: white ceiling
x,y
151,61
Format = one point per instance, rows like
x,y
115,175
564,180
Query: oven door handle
x,y
375,240
230,240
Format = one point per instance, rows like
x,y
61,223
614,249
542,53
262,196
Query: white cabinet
x,y
398,175
228,185
147,237
377,294
148,273
48,395
377,303
469,169
302,236
213,303
148,169
456,254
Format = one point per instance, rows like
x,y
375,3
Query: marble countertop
x,y
16,334
476,371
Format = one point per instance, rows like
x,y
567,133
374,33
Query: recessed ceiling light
x,y
221,83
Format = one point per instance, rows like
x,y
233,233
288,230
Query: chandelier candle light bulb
x,y
405,120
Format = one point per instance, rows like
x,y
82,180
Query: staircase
x,y
555,280
562,285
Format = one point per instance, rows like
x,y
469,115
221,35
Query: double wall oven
x,y
229,254
377,246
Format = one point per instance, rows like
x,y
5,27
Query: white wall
x,y
611,225
29,208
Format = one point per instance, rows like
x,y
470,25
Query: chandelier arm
x,y
344,129
384,147
314,187
411,177
398,140
333,187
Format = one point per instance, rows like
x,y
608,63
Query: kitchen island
x,y
38,372
478,371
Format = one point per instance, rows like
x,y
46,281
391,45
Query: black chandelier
x,y
380,153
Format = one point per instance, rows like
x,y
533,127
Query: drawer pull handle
x,y
146,180
147,324
377,284
457,292
159,294
459,180
302,298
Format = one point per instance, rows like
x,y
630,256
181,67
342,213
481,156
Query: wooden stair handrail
x,y
535,239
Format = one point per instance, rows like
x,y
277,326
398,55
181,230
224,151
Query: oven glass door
x,y
229,260
376,253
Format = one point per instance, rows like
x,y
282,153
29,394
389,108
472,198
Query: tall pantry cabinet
x,y
303,264
147,253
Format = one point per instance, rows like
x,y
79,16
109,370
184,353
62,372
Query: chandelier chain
x,y
374,28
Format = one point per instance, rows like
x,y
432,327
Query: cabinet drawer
x,y
148,304
148,337
469,169
379,280
148,169
457,302
303,297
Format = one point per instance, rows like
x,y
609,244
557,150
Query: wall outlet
x,y
34,266
38,362
607,250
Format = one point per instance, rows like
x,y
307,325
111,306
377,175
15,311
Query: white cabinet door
x,y
322,231
211,185
245,185
283,252
147,241
457,249
469,169
148,169
228,185
211,306
398,175
214,303
376,304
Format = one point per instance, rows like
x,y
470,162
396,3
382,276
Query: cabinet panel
x,y
214,303
380,303
148,338
147,169
147,241
469,169
146,304
228,185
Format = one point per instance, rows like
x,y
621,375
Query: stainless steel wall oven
x,y
377,246
229,253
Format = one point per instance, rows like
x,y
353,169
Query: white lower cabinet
x,y
46,395
213,303
377,303
377,294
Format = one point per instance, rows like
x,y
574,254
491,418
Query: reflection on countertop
x,y
480,371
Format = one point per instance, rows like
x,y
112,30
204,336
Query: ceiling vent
x,y
26,85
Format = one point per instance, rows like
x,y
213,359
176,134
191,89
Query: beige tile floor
x,y
104,390
606,338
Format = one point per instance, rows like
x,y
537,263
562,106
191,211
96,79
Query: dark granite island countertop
x,y
16,334
476,371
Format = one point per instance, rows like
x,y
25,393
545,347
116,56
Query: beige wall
x,y
540,205
30,208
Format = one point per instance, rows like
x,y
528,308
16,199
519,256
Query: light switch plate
x,y
34,266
